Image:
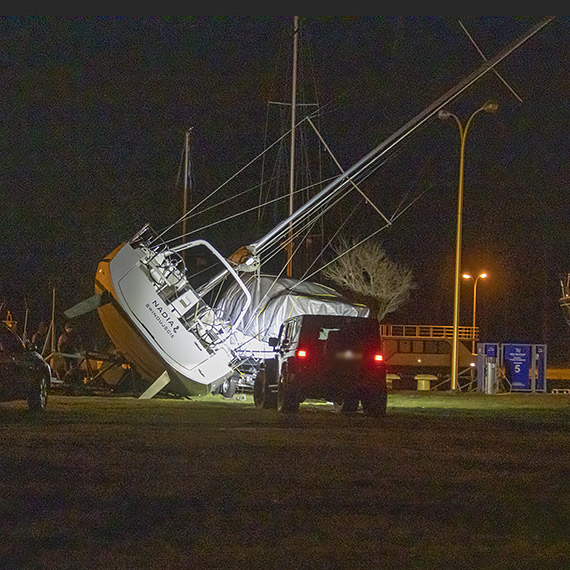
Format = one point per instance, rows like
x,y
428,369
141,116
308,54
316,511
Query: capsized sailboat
x,y
167,321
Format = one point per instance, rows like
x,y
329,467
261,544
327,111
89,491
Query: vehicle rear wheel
x,y
374,404
263,396
228,388
287,397
37,394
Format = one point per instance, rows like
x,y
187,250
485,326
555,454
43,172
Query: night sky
x,y
94,111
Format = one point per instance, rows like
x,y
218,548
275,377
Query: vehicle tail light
x,y
378,358
302,353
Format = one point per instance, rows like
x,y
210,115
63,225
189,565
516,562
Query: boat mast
x,y
384,148
186,173
292,153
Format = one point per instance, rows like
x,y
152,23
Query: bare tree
x,y
366,270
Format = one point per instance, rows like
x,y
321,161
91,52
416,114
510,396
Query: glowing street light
x,y
488,107
480,276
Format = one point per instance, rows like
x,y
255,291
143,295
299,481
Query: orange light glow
x,y
378,358
302,353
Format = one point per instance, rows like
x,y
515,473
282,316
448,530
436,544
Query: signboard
x,y
517,362
491,350
524,365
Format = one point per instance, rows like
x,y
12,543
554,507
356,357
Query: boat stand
x,y
156,386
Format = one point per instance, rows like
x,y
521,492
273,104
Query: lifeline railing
x,y
428,331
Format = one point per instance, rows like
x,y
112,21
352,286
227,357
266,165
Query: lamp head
x,y
466,276
482,275
490,107
443,114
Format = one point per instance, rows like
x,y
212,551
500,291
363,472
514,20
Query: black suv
x,y
24,374
324,356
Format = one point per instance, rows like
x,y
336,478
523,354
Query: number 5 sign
x,y
520,370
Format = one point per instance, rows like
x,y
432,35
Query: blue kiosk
x,y
523,366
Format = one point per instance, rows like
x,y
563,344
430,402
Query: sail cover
x,y
276,299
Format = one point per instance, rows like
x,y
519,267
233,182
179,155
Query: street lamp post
x,y
488,107
480,276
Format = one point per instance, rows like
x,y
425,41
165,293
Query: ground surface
x,y
444,481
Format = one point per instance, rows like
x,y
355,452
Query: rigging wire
x,y
232,216
360,177
242,169
276,243
168,228
213,206
342,171
381,153
485,58
374,159
371,235
335,234
259,212
300,230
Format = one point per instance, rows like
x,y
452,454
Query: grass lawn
x,y
444,481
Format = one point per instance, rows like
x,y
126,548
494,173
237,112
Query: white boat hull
x,y
158,334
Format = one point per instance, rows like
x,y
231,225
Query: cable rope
x,y
259,212
282,239
268,257
168,228
330,241
394,218
237,214
327,148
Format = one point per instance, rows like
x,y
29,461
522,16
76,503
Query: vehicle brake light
x,y
378,358
302,353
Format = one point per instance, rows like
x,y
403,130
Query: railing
x,y
428,331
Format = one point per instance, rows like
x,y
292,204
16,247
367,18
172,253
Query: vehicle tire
x,y
347,405
38,394
228,388
263,396
287,397
374,404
